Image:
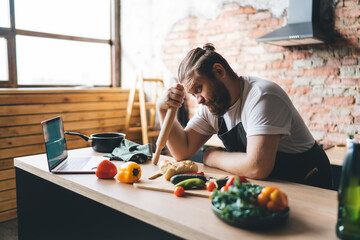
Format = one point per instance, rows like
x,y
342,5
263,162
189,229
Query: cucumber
x,y
192,183
181,177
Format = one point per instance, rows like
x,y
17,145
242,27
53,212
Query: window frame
x,y
10,35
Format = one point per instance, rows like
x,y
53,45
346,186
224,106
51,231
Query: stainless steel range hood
x,y
305,26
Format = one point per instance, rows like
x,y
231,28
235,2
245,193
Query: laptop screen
x,y
55,143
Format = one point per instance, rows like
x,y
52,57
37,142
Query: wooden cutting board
x,y
161,184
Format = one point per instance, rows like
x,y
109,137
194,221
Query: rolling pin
x,y
164,133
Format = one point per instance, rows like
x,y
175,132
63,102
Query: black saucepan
x,y
102,142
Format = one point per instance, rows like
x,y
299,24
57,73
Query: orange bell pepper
x,y
272,198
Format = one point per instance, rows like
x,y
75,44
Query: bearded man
x,y
263,133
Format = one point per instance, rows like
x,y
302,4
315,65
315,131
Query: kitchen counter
x,y
47,200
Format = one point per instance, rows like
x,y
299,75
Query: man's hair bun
x,y
209,46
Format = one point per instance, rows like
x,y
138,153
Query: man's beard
x,y
220,99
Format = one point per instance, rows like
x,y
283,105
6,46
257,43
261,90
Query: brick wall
x,y
321,80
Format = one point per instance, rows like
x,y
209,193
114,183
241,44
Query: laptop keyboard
x,y
74,164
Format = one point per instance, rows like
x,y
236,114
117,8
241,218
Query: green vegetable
x,y
181,177
220,182
240,201
192,183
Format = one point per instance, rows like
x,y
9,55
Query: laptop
x,y
56,151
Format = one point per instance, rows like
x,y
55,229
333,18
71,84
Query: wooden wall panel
x,y
86,111
7,184
8,215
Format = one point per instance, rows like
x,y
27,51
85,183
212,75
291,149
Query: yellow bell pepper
x,y
129,172
272,198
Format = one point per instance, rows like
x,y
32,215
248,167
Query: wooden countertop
x,y
336,155
313,211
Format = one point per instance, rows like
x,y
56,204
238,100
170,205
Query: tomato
x,y
210,186
179,191
106,170
230,181
224,189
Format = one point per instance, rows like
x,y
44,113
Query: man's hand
x,y
173,97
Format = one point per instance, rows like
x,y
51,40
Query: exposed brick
x,y
297,55
273,48
318,127
230,6
294,73
271,23
318,80
300,90
270,74
323,71
260,16
348,21
269,57
284,81
347,61
346,12
248,10
350,81
347,71
350,3
339,23
333,62
257,33
333,81
356,52
279,65
343,119
347,42
234,12
340,101
315,100
352,31
320,118
318,109
357,121
255,66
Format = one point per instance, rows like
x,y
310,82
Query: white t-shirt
x,y
264,108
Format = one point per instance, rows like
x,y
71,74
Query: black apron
x,y
311,167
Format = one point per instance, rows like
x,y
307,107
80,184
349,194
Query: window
x,y
59,43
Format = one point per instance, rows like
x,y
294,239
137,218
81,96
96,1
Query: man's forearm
x,y
235,163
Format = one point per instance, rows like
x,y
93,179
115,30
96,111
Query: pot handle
x,y
78,134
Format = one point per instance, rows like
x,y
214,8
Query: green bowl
x,y
255,223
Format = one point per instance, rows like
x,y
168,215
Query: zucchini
x,y
192,183
181,177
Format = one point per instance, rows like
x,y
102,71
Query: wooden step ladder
x,y
147,130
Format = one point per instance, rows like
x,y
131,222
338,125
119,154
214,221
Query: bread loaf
x,y
169,169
